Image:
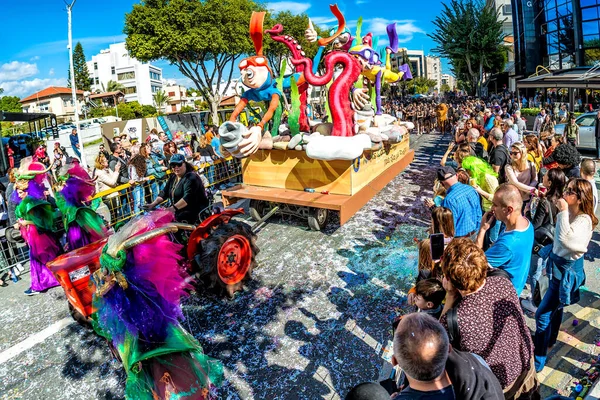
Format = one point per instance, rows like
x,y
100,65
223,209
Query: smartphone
x,y
436,242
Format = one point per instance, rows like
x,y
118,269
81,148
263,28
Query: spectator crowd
x,y
512,215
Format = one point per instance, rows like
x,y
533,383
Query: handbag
x,y
544,235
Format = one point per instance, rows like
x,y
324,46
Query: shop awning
x,y
577,78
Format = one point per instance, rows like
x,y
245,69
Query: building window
x,y
155,89
173,107
112,70
154,76
95,65
44,107
507,9
123,76
130,90
171,94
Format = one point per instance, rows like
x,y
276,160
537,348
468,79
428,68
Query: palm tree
x,y
160,99
112,86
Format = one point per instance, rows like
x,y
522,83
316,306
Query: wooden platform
x,y
346,205
294,170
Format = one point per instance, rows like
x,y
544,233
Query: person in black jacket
x,y
185,191
545,213
433,369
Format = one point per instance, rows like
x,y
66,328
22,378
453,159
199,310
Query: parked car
x,y
587,127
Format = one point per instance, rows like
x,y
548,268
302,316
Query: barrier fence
x,y
118,205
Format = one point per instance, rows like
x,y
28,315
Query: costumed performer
x,y
36,222
82,224
137,298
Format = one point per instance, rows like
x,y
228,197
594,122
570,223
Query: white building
x,y
449,80
141,80
433,70
177,98
53,99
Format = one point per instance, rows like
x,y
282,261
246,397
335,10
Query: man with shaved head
x,y
433,369
512,250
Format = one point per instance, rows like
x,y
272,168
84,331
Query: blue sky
x,y
34,33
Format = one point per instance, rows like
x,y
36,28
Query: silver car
x,y
587,130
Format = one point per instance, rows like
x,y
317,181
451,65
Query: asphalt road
x,y
314,321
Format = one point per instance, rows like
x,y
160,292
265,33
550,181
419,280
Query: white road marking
x,y
34,339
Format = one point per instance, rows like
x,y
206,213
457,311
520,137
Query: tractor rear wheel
x,y
228,257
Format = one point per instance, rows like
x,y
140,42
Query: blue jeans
x,y
154,189
138,198
548,318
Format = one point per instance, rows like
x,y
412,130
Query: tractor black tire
x,y
317,218
210,249
79,318
256,209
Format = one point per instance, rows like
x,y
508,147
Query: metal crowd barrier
x,y
118,205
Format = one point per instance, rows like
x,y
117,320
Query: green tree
x,y
294,26
160,99
148,111
1,90
469,34
113,86
82,75
204,39
445,88
422,85
10,104
187,109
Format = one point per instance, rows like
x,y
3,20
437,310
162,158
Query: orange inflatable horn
x,y
256,31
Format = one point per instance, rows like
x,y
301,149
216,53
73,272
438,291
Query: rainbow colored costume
x,y
38,223
138,293
82,224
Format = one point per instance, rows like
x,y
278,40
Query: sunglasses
x,y
569,192
514,153
256,61
175,165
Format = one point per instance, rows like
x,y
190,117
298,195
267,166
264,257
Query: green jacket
x,y
572,131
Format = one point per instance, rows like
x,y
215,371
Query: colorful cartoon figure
x,y
372,66
257,75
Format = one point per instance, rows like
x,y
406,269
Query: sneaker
x,y
528,305
31,292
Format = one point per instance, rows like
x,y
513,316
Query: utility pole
x,y
73,85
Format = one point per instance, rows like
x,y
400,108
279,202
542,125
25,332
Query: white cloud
x,y
324,22
51,72
34,58
291,6
16,70
405,28
24,88
359,2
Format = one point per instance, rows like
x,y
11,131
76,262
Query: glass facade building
x,y
557,34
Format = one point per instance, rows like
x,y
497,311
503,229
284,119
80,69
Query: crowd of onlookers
x,y
513,212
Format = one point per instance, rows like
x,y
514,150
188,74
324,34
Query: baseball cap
x,y
177,159
442,173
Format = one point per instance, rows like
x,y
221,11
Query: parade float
x,y
309,169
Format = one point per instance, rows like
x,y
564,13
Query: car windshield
x,y
587,120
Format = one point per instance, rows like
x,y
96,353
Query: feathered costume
x,y
43,242
137,299
82,224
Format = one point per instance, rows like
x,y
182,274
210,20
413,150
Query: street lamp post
x,y
73,85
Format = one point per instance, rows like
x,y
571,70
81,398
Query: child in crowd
x,y
429,297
